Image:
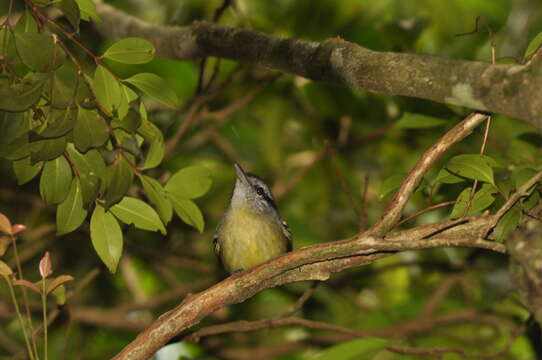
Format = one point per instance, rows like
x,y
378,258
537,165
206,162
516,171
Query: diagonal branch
x,y
510,89
393,213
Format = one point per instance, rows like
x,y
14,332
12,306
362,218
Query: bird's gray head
x,y
252,191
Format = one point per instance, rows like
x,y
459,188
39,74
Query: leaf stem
x,y
44,310
20,318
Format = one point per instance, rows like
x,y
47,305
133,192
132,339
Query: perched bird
x,y
251,231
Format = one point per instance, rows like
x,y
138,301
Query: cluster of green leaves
x,y
465,168
86,133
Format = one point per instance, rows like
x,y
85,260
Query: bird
x,y
251,230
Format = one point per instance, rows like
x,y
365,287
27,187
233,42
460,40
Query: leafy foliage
x,y
77,128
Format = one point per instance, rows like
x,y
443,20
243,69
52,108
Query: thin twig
x,y
438,296
422,211
302,300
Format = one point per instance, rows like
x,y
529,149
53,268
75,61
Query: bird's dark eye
x,y
259,190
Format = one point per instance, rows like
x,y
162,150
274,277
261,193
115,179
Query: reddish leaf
x,y
5,224
17,228
46,268
4,243
5,270
59,280
28,284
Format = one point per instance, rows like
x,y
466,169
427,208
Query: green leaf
x,y
65,88
446,177
143,111
49,57
534,44
507,224
472,166
90,130
8,50
481,200
14,136
127,141
60,295
70,213
365,348
106,88
26,23
5,224
188,211
5,270
47,149
190,182
24,171
17,149
55,180
158,196
59,123
127,95
131,50
12,126
71,11
130,123
460,206
90,168
106,237
88,10
134,211
153,136
532,200
119,178
155,87
418,121
17,96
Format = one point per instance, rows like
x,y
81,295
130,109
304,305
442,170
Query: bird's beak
x,y
241,175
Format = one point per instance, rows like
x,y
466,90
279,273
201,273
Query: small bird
x,y
251,231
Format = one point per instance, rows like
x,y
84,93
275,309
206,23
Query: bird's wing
x,y
216,243
287,235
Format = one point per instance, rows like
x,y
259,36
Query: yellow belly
x,y
248,239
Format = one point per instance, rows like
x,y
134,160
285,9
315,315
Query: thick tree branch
x,y
510,89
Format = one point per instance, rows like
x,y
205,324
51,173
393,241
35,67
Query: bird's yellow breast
x,y
248,238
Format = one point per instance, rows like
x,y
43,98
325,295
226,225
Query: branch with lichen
x,y
510,89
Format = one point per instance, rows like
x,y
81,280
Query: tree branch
x,y
393,212
313,263
320,261
510,89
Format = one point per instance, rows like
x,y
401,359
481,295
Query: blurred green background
x,y
327,151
